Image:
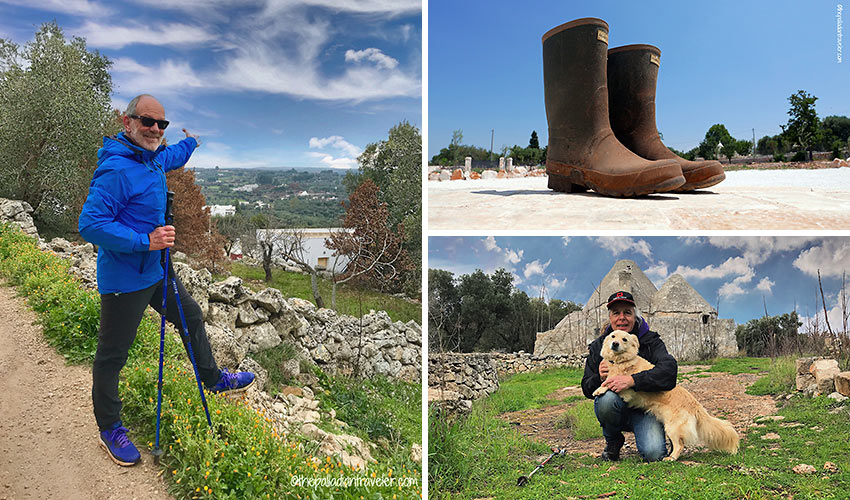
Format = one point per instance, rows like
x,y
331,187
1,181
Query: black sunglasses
x,y
148,122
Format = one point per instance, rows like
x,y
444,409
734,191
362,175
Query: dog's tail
x,y
717,434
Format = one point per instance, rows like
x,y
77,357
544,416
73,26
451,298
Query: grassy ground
x,y
348,300
482,457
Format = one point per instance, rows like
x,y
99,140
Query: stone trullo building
x,y
686,322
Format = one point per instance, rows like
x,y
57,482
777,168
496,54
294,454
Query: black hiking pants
x,y
120,316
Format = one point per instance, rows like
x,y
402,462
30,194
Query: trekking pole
x,y
523,480
167,273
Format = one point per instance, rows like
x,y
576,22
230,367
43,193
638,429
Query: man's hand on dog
x,y
603,369
619,383
162,237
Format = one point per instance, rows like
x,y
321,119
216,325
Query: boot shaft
x,y
632,80
574,81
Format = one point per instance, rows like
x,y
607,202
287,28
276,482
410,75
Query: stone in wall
x,y
18,213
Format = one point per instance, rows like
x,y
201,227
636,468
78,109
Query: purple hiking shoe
x,y
232,382
118,446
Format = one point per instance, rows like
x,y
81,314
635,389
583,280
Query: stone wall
x,y
523,362
18,212
240,321
455,380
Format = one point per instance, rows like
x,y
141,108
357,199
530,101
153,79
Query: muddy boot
x,y
632,75
611,453
583,151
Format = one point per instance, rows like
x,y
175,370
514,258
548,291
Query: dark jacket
x,y
126,202
652,349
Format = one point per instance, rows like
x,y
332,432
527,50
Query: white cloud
x,y
380,59
132,78
535,267
730,267
757,249
76,7
731,289
114,36
282,54
566,240
555,284
837,319
512,256
490,244
621,244
657,273
831,257
390,7
336,142
765,285
333,162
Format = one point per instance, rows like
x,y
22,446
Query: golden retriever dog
x,y
685,421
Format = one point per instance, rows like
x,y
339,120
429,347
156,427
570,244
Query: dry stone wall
x,y
455,380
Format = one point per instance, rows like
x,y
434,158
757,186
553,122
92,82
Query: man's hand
x,y
162,237
619,383
603,369
197,139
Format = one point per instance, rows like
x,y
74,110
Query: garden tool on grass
x,y
523,480
165,259
583,151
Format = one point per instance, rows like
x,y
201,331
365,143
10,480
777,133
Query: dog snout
x,y
615,346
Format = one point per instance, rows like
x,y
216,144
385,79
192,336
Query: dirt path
x,y
720,393
48,436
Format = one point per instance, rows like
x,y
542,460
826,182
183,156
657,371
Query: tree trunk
x,y
267,264
333,295
315,285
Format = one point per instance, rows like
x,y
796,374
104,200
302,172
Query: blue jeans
x,y
615,416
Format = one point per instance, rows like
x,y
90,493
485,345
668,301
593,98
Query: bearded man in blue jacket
x,y
124,215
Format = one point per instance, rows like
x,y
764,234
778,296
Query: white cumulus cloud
x,y
380,59
336,142
535,267
765,285
490,244
831,257
618,245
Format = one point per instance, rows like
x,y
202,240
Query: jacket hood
x,y
120,145
640,329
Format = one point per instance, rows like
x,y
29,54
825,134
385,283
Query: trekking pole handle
x,y
169,212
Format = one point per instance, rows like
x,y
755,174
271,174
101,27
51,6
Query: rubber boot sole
x,y
577,182
713,179
116,459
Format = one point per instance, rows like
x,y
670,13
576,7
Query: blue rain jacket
x,y
126,202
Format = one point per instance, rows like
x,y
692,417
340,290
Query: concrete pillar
x,y
510,166
467,164
501,163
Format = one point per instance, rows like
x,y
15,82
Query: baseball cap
x,y
620,297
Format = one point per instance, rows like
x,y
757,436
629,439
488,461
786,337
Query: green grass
x,y
272,360
529,390
780,378
348,300
583,421
243,456
481,457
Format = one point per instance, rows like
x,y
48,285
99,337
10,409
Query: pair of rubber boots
x,y
600,105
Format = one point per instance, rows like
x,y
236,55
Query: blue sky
x,y
742,273
729,62
266,83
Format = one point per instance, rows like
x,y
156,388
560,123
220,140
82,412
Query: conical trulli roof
x,y
626,276
677,295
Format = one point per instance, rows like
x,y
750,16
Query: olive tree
x,y
54,109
